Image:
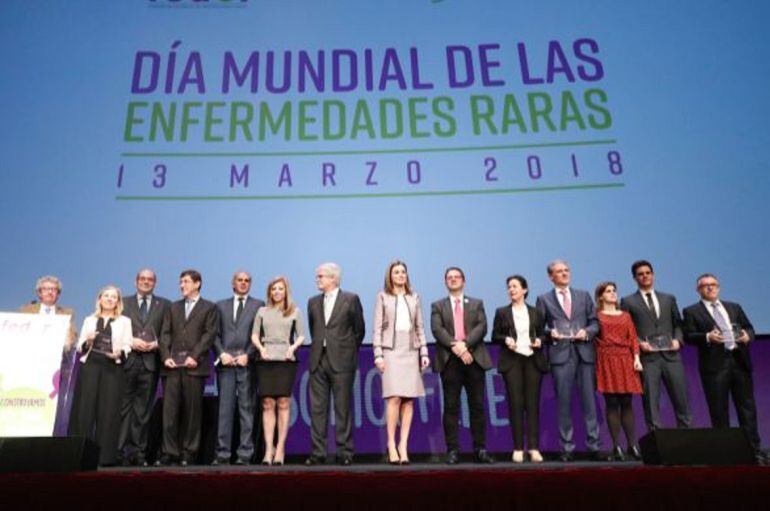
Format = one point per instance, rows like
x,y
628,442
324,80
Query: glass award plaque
x,y
147,335
276,349
102,343
235,353
179,357
737,331
564,329
659,342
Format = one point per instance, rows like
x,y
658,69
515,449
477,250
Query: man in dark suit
x,y
570,319
337,330
146,311
656,316
234,375
459,324
189,329
722,333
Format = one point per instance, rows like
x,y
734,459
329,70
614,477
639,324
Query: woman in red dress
x,y
617,367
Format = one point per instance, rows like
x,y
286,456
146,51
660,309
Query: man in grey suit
x,y
142,367
459,324
570,319
189,328
656,316
337,330
234,376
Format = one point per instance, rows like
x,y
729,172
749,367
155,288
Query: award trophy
x,y
564,329
147,335
102,344
179,357
659,342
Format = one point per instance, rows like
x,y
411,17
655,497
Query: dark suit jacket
x,y
583,316
344,333
669,322
195,335
504,326
154,322
443,327
713,356
233,336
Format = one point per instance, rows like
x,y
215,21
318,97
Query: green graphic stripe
x,y
133,154
191,198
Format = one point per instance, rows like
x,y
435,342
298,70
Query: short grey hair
x,y
554,263
48,278
331,269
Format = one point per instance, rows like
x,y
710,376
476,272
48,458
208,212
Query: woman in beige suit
x,y
400,354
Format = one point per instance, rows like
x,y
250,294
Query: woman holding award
x,y
617,367
518,328
277,334
400,354
105,340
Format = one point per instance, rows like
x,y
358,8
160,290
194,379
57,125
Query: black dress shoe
x,y
220,461
482,456
242,462
164,461
313,460
617,454
139,461
345,461
452,457
635,453
566,457
601,457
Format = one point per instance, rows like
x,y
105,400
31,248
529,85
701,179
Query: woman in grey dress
x,y
277,334
400,354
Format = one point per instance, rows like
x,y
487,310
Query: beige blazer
x,y
385,323
122,335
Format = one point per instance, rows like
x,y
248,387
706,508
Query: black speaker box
x,y
706,446
47,454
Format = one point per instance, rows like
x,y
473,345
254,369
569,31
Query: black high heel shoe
x,y
617,454
634,452
391,459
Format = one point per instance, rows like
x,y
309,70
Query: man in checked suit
x,y
722,332
459,324
234,371
570,319
337,330
146,311
189,329
656,314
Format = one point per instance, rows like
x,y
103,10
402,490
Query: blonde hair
x,y
287,307
118,307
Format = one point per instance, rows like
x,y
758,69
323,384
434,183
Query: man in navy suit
x,y
234,376
722,332
570,319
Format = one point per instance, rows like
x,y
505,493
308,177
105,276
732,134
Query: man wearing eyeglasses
x,y
722,332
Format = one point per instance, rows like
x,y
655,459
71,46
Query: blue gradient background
x,y
687,85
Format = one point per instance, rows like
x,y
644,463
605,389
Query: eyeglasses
x,y
709,284
243,280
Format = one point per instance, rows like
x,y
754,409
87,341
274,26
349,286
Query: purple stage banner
x,y
427,433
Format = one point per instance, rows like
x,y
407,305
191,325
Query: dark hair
x,y
388,287
600,289
638,264
522,281
711,275
194,275
446,272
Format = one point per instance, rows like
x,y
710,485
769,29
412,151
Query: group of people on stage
x,y
619,347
